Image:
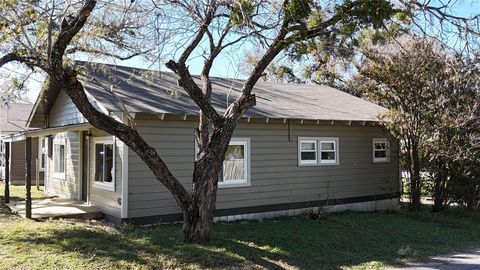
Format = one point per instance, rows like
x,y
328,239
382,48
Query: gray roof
x,y
13,117
147,91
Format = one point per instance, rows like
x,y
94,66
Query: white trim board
x,y
124,196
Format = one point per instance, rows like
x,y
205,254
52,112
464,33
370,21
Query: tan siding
x,y
107,201
275,176
64,112
68,187
17,161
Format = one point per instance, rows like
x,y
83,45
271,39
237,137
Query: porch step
x,y
56,208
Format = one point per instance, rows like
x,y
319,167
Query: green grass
x,y
18,192
342,241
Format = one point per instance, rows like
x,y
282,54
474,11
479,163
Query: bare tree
x,y
45,35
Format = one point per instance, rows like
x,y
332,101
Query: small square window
x,y
381,150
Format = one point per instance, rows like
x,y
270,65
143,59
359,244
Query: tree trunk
x,y
208,165
439,188
415,181
197,223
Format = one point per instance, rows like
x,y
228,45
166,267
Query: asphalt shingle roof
x,y
147,91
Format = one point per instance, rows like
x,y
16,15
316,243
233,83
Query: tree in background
x,y
403,78
45,36
433,101
454,149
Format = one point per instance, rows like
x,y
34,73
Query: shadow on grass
x,y
344,240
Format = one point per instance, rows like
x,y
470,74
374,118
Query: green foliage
x,y
241,13
432,96
297,10
355,13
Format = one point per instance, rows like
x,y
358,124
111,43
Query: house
x,y
300,147
13,119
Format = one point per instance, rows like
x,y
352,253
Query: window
x,y
308,152
328,154
381,150
104,164
317,151
59,159
42,153
236,165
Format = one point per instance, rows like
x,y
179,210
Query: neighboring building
x,y
301,146
13,119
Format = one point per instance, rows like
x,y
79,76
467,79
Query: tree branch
x,y
67,81
68,31
185,78
30,61
128,135
105,53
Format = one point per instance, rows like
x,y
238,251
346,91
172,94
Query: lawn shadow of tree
x,y
341,241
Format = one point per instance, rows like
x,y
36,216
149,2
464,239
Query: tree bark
x,y
208,165
415,181
439,188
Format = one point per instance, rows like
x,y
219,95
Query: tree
x,y
453,149
404,78
44,36
432,95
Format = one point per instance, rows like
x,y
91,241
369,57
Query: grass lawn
x,y
342,241
18,192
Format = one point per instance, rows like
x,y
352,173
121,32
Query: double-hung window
x,y
308,151
317,151
59,158
236,164
381,150
104,163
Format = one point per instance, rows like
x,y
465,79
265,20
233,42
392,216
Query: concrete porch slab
x,y
56,208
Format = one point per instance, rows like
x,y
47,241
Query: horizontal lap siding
x,y
64,112
68,187
17,162
275,176
107,201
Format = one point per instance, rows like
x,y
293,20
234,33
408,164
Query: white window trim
x,y
387,150
300,151
2,153
240,183
40,152
320,150
60,175
247,156
103,185
319,141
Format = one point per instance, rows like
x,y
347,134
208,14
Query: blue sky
x,y
226,65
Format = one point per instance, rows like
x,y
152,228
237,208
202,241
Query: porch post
x,y
7,172
28,177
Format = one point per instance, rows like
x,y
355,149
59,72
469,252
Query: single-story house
x,y
13,119
300,147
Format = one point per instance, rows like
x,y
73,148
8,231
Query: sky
x,y
226,65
